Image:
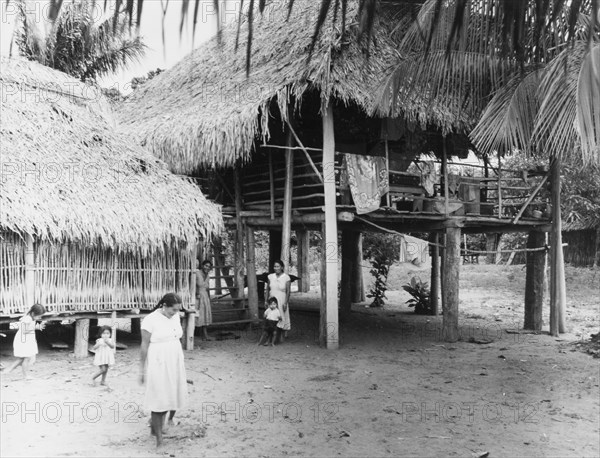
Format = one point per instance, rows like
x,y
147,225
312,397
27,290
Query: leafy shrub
x,y
420,296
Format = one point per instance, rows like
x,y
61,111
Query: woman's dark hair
x,y
104,328
36,309
273,299
280,262
206,261
169,300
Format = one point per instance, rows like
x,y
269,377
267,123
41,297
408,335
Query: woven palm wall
x,y
87,278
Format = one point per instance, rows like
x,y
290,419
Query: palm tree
x,y
546,94
78,46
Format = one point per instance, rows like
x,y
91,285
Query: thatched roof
x,y
205,111
589,223
67,175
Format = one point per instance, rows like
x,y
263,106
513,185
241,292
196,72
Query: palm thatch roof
x,y
206,110
67,175
588,223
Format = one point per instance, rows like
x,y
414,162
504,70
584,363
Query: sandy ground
x,y
394,388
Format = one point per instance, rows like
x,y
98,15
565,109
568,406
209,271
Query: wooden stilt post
x,y
189,324
30,273
348,258
303,238
114,326
435,274
239,245
499,187
217,262
534,281
451,284
286,229
271,185
442,267
82,336
190,327
329,329
251,273
557,268
445,175
274,247
358,290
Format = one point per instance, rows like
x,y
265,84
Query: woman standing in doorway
x,y
203,308
279,287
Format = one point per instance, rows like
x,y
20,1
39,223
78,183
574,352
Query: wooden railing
x,y
512,195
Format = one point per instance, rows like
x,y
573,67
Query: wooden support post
x,y
271,185
557,267
30,273
217,249
114,326
239,242
435,274
251,273
442,266
82,337
388,199
274,247
286,228
348,258
189,327
358,289
534,281
451,284
445,175
491,244
499,187
303,238
329,329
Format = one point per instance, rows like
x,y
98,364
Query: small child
x,y
105,354
272,317
25,344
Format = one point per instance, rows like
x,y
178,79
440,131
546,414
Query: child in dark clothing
x,y
272,317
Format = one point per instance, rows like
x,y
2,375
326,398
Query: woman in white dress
x,y
278,286
203,307
162,366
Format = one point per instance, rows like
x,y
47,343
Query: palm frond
x,y
588,105
569,111
508,120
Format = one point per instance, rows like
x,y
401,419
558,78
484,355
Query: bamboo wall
x,y
72,277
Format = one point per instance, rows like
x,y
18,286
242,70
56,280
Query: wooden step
x,y
225,323
230,310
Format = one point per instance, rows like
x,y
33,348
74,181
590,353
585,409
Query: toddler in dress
x,y
105,354
25,344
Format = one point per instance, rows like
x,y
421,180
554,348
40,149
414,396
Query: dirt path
x,y
393,389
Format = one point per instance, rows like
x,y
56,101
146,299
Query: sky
x,y
159,54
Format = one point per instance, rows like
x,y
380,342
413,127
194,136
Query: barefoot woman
x,y
279,287
162,367
203,307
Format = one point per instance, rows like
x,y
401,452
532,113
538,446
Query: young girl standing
x,y
25,344
105,354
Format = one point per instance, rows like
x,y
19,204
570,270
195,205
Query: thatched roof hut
x,y
88,220
583,241
207,111
67,175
